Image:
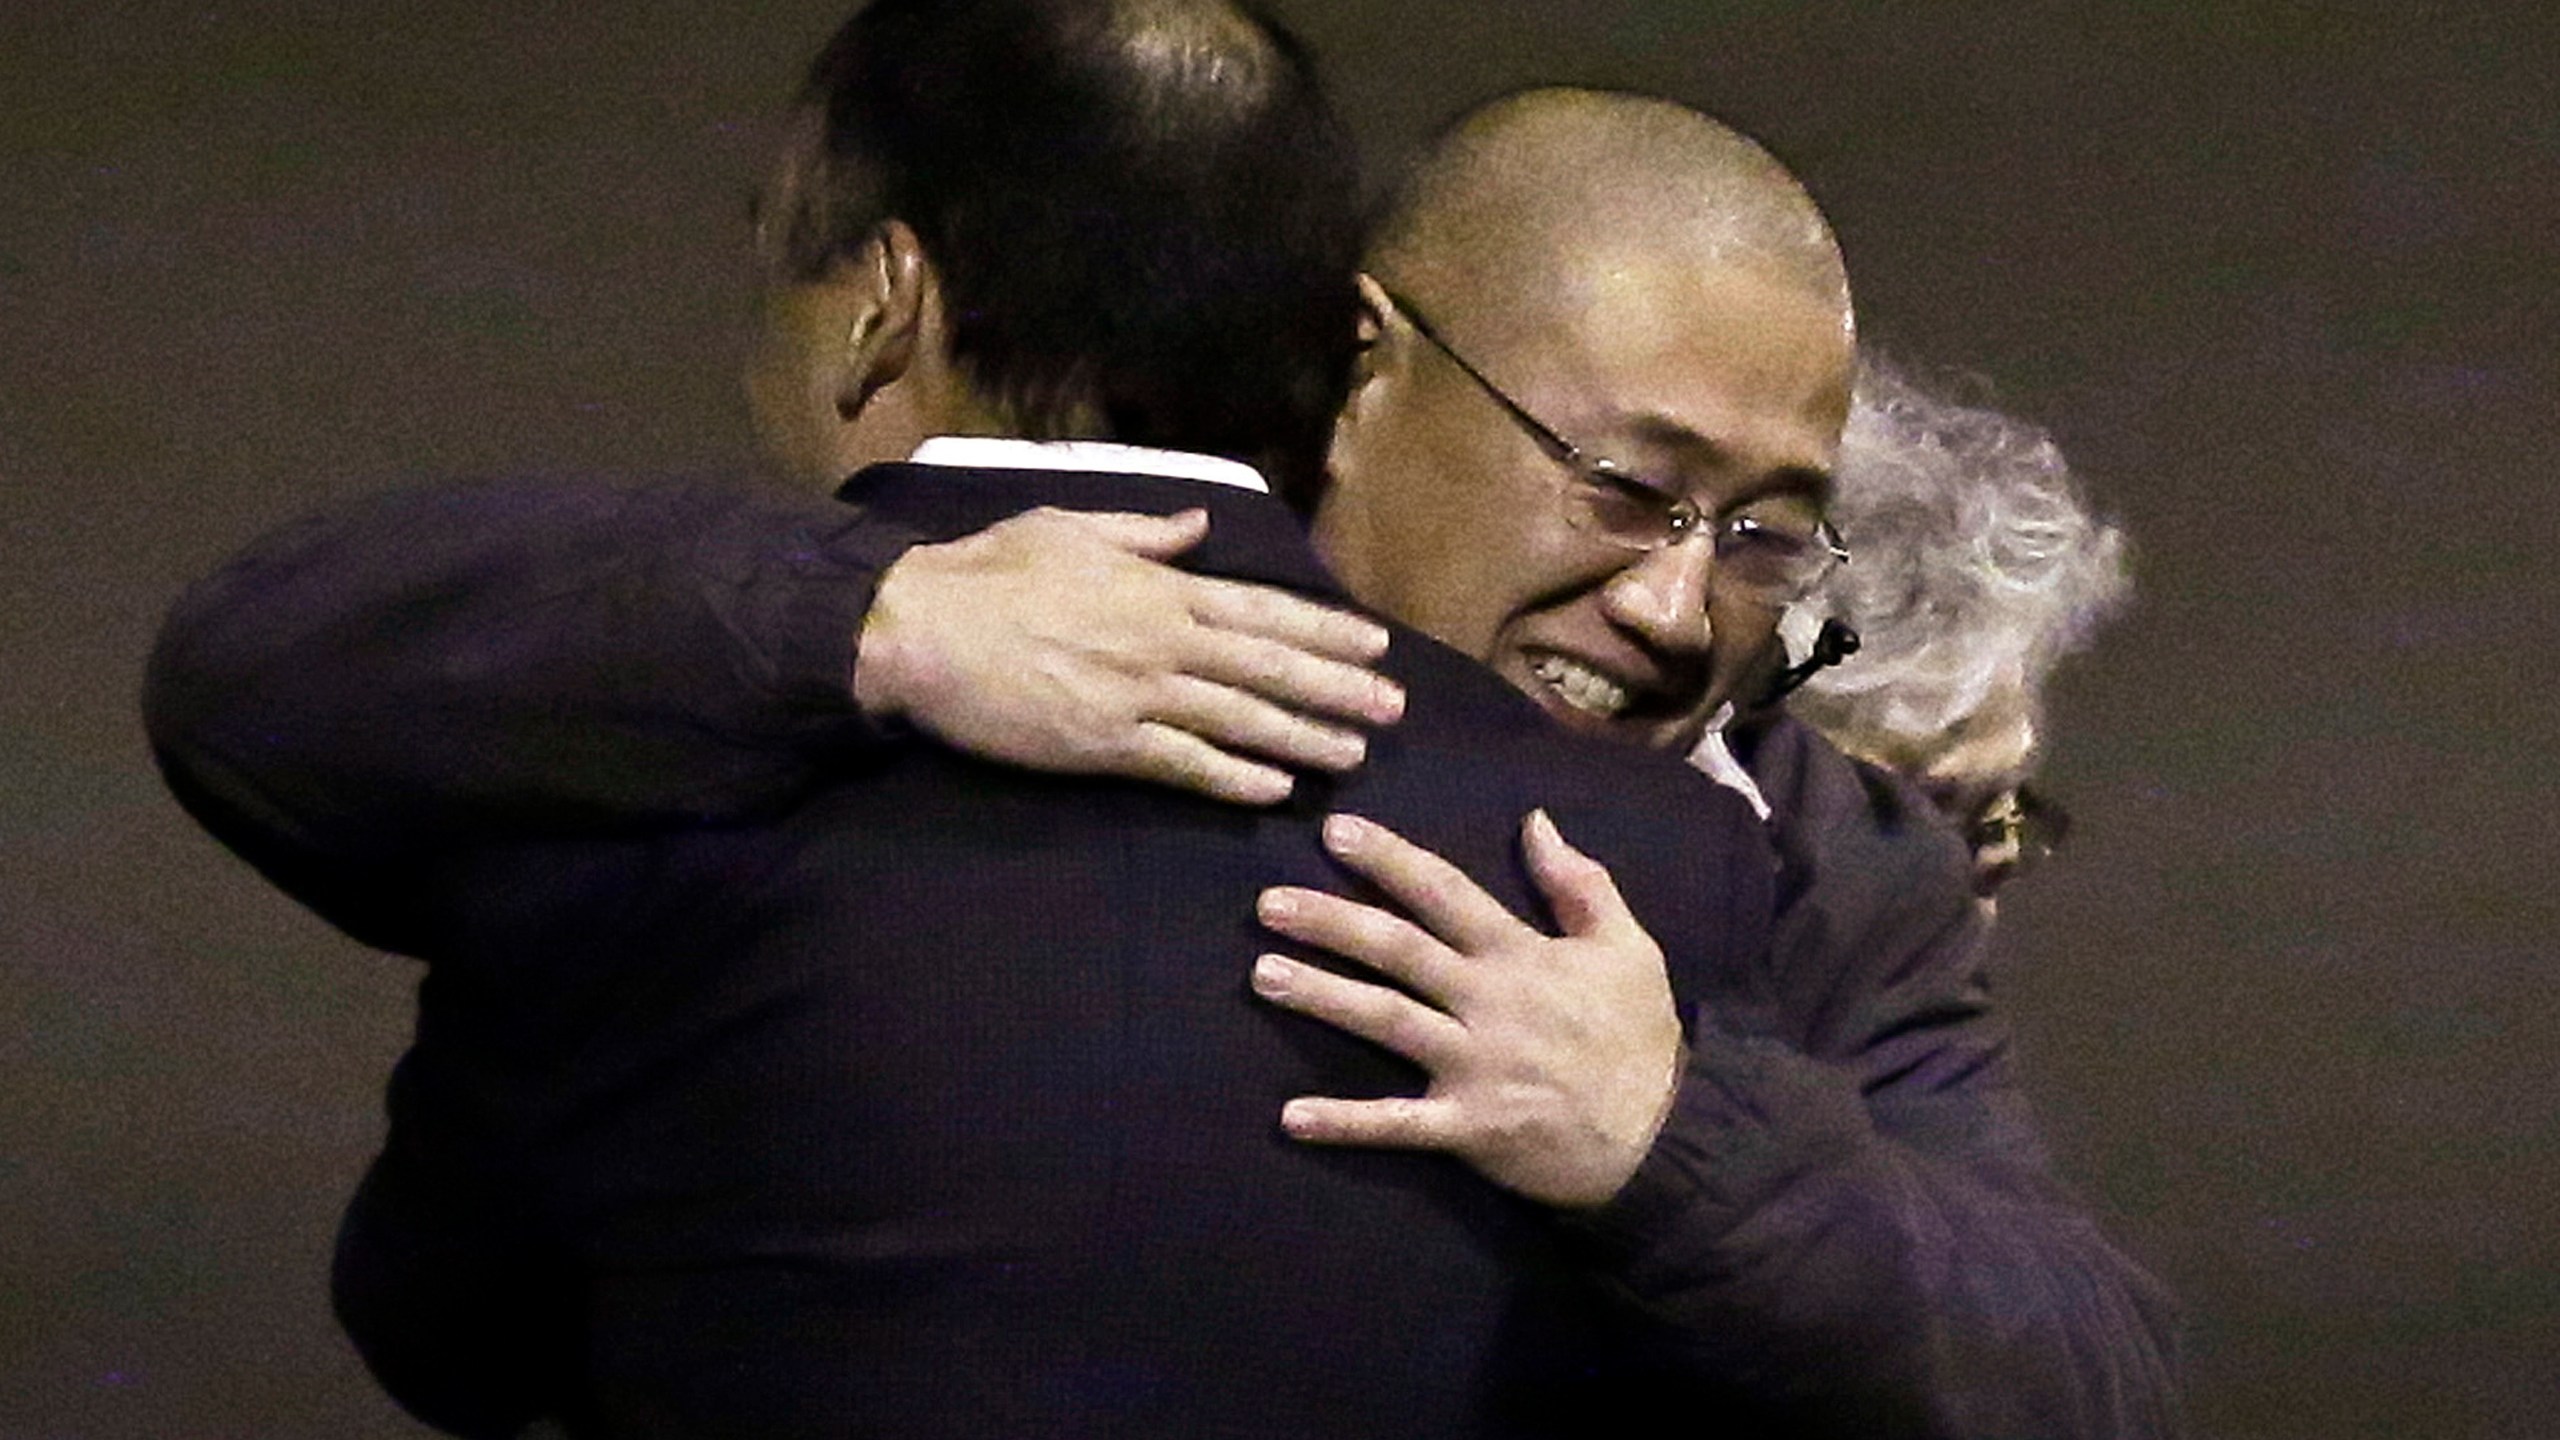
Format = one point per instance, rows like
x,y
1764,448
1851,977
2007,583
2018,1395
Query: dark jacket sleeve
x,y
1848,1226
360,694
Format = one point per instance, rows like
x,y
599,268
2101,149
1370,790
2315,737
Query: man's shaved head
x,y
1606,278
1540,181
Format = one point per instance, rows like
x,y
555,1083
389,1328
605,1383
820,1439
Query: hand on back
x,y
1553,1058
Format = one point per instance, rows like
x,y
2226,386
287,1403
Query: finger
x,y
1386,1018
1154,537
1171,756
1389,944
1287,675
1433,891
1232,719
1396,1123
1578,889
1276,614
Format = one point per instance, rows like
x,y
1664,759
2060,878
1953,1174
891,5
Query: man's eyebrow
x,y
1661,432
1808,481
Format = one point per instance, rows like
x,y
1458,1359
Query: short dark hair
x,y
1142,211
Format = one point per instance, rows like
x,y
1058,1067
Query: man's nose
x,y
1662,596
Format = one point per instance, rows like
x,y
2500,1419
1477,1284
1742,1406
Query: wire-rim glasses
x,y
1772,560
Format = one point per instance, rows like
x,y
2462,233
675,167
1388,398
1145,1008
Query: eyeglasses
x,y
1774,551
2009,829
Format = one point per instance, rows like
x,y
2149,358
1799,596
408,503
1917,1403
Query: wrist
x,y
1661,1111
884,651
1637,1143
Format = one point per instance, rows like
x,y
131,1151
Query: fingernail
x,y
1349,751
1293,1117
1343,833
1271,976
1387,705
1275,905
1543,826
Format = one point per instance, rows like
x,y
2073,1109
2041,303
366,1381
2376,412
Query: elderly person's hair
x,y
1145,213
1977,566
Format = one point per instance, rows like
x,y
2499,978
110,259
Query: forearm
x,y
1856,1269
424,668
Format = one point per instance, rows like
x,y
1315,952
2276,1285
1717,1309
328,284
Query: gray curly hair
x,y
1978,566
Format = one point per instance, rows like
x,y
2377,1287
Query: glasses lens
x,y
1600,500
1775,549
2043,823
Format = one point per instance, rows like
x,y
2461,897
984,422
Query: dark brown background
x,y
2280,275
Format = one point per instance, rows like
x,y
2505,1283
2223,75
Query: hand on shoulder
x,y
1064,641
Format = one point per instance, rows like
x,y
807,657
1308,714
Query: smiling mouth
x,y
1586,690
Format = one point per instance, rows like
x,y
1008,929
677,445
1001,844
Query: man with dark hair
x,y
870,1088
1136,212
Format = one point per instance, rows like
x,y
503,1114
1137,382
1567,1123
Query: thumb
x,y
1153,537
1577,888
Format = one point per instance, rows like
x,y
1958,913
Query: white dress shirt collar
x,y
997,452
1715,757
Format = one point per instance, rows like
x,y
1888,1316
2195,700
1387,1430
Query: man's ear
x,y
1375,356
1347,458
1370,325
888,290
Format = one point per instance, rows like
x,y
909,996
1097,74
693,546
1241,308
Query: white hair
x,y
1976,566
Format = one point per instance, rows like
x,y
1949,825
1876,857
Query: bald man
x,y
1606,357
1589,442
1667,337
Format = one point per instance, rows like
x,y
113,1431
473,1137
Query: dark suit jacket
x,y
930,1099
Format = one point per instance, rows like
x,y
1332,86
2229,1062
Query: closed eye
x,y
1750,533
1610,475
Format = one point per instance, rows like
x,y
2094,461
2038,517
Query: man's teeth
x,y
1582,687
